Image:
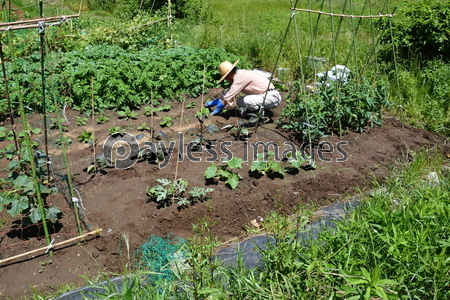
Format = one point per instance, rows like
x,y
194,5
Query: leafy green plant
x,y
8,152
190,105
102,119
98,165
150,111
167,121
153,152
335,108
168,192
266,165
240,131
369,285
423,32
81,121
143,127
199,134
63,141
56,122
114,129
296,161
86,137
127,114
224,172
199,194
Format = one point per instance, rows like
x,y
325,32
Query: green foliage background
x,y
413,54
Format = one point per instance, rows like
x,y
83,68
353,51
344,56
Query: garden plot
x,y
117,200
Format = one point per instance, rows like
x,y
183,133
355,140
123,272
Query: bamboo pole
x,y
341,15
95,232
8,98
35,21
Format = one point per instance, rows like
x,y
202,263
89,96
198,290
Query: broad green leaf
x,y
258,165
13,164
366,274
275,167
233,180
18,206
211,171
52,213
386,282
35,215
26,182
6,198
356,281
298,161
235,163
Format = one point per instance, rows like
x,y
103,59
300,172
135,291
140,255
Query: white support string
x,y
50,246
78,200
64,113
41,26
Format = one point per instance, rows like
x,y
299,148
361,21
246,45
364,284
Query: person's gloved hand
x,y
212,103
219,108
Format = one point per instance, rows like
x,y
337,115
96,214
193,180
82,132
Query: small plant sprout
x,y
150,111
143,127
86,137
224,173
199,134
102,119
63,141
190,105
58,123
112,130
98,165
166,122
81,121
127,114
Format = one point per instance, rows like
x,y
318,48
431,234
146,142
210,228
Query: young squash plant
x,y
127,114
266,165
151,111
225,173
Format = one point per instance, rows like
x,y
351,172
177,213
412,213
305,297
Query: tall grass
x,y
255,29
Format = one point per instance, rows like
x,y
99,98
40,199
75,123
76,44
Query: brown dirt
x,y
116,200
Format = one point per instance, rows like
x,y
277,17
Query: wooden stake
x,y
95,232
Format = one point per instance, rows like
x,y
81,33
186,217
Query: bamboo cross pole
x,y
341,15
32,21
95,232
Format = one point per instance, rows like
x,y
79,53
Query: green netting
x,y
156,255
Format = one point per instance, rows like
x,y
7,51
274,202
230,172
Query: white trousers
x,y
254,102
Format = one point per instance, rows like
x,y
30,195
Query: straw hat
x,y
225,68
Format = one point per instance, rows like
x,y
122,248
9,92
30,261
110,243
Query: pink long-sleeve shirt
x,y
247,82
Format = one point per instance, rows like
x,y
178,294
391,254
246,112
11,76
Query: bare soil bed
x,y
115,200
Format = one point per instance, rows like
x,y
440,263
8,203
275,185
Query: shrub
x,y
424,31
